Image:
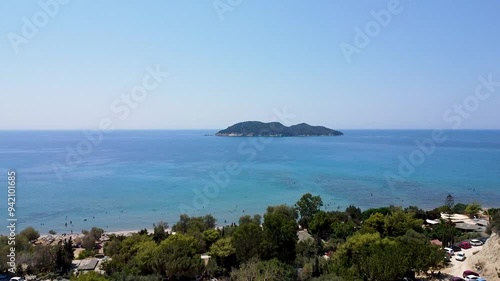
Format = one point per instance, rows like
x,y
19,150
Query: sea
x,y
128,180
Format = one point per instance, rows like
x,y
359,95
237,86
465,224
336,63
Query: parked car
x,y
456,278
469,273
449,251
456,248
474,278
476,242
460,256
17,279
465,245
483,239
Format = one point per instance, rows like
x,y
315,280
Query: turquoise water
x,y
132,179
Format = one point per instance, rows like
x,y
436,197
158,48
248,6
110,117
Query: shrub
x,y
30,233
85,254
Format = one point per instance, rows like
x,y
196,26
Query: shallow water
x,y
133,179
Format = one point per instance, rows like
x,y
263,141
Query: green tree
x,y
177,257
42,259
88,242
96,233
449,202
248,219
272,270
354,214
182,225
416,212
64,256
224,254
349,258
308,205
473,209
321,225
188,224
342,230
30,233
369,257
280,233
419,254
209,221
210,236
433,214
328,277
445,231
459,208
381,261
143,259
129,254
113,246
306,250
398,223
195,226
383,210
247,241
159,233
376,222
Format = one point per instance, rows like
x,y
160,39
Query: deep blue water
x,y
135,178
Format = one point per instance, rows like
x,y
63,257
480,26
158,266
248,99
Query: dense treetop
x,y
382,244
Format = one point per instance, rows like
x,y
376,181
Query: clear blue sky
x,y
263,55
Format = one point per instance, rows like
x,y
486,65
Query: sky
x,y
70,64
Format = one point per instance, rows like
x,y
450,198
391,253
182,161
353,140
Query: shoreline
x,y
117,233
128,232
131,230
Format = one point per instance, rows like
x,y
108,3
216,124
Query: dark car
x,y
456,278
456,248
483,239
469,272
465,245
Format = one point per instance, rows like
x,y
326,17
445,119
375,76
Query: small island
x,y
275,129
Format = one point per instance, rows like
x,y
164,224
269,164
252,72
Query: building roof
x,y
454,217
482,222
303,235
432,221
436,242
89,264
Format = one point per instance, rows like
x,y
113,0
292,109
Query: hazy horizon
x,y
218,129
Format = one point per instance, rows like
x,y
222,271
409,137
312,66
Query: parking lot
x,y
456,268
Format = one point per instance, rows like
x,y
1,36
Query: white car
x,y
475,242
460,256
449,251
474,277
16,279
